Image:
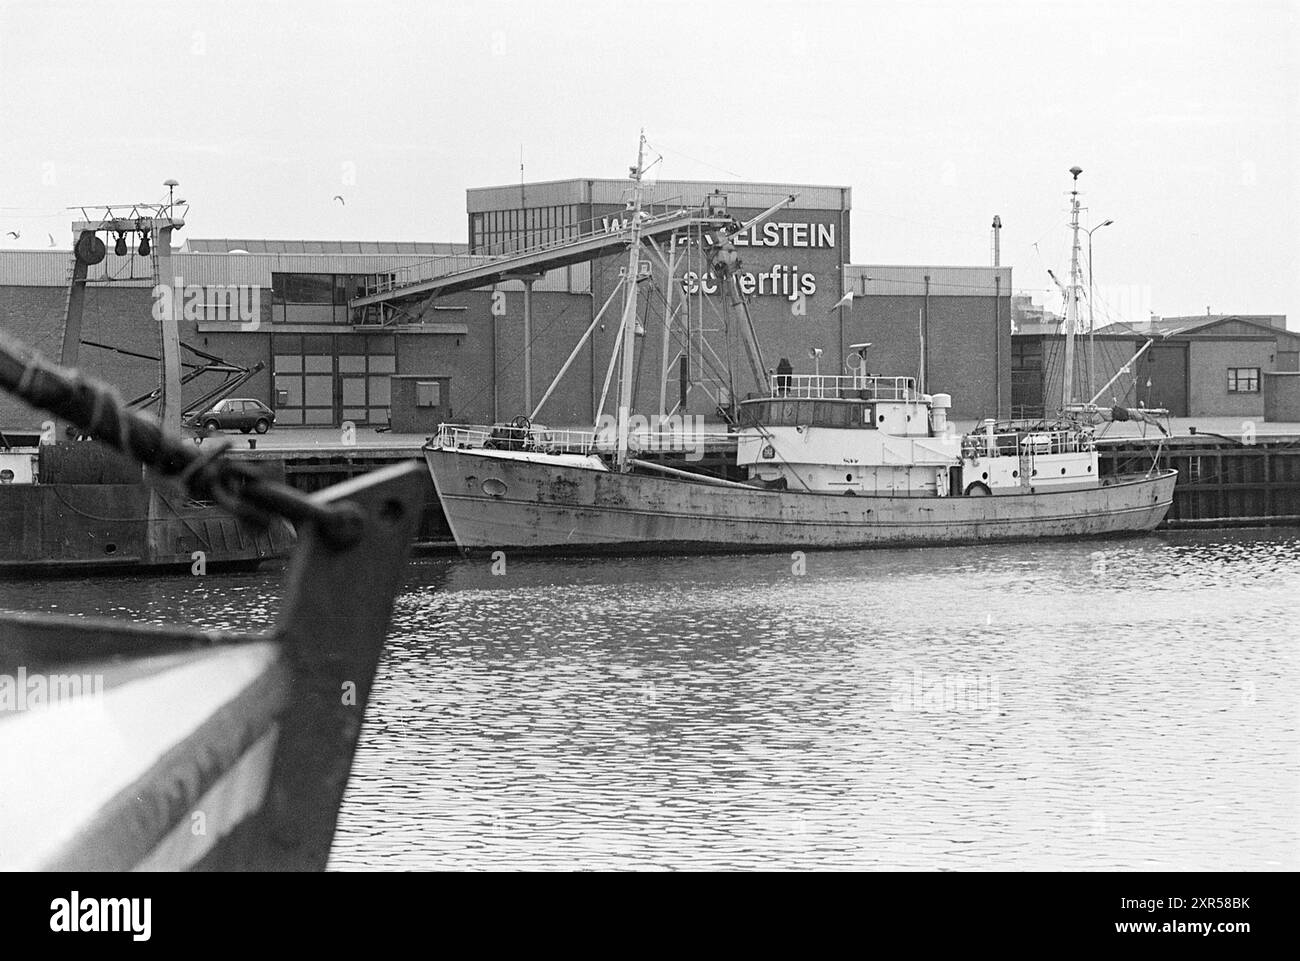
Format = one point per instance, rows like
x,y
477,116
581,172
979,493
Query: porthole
x,y
848,477
984,476
1062,470
1015,473
110,549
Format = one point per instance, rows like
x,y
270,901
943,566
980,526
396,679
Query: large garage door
x,y
326,379
1162,378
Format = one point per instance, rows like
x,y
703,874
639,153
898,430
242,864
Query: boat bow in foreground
x,y
127,746
130,747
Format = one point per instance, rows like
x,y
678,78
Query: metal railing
x,y
1027,442
1028,412
548,440
506,437
855,387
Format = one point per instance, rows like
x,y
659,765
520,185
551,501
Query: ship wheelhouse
x,y
881,435
857,434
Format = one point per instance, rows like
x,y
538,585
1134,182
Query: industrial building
x,y
320,358
1215,366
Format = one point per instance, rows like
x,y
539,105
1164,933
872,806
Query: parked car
x,y
243,413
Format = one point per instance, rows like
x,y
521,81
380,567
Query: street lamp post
x,y
171,186
1091,353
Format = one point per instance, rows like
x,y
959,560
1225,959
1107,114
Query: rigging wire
x,y
659,147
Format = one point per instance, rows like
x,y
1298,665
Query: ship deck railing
x,y
507,437
547,440
1014,443
850,387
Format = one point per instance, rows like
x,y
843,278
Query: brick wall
x,y
117,316
1209,361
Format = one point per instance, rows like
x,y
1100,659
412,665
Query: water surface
x,y
1079,705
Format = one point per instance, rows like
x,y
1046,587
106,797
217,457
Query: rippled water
x,y
1087,705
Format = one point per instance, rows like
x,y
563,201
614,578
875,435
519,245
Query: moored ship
x,y
823,475
832,462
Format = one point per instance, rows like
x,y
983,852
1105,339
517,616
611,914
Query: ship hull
x,y
72,528
493,503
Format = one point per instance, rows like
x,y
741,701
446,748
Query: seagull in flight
x,y
340,199
15,234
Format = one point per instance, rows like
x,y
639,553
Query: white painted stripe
x,y
224,807
60,765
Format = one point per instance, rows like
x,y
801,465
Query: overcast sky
x,y
939,115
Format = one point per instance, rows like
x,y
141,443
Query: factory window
x,y
1026,353
428,393
315,298
1243,380
503,231
307,288
349,286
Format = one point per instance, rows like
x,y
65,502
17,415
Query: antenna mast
x,y
1072,293
629,308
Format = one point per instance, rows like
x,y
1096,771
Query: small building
x,y
1213,368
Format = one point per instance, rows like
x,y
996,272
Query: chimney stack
x,y
997,241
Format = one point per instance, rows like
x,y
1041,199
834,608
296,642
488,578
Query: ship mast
x,y
1072,293
629,309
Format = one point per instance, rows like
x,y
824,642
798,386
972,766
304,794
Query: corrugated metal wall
x,y
689,192
551,193
685,192
39,268
255,246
